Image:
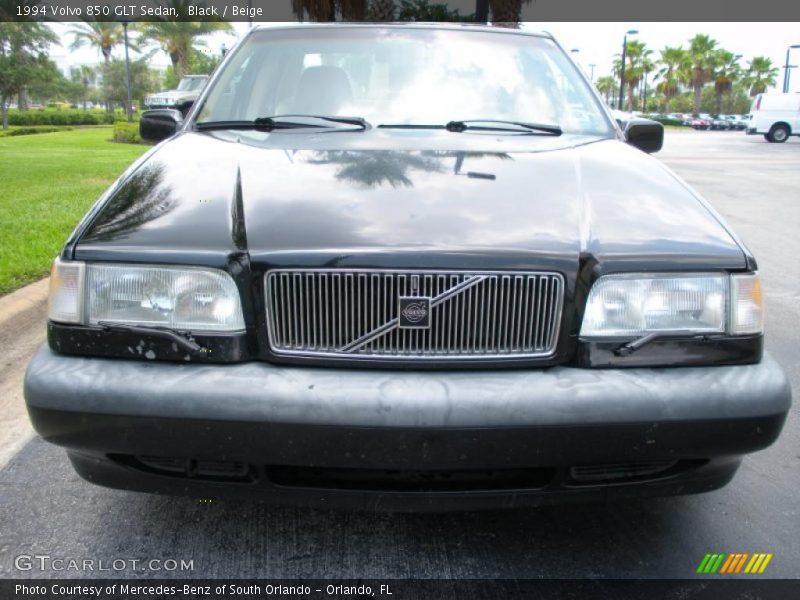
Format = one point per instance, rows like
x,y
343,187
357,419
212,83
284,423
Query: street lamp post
x,y
622,66
786,68
591,76
128,107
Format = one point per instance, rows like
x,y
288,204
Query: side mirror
x,y
157,125
644,134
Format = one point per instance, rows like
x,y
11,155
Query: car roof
x,y
409,25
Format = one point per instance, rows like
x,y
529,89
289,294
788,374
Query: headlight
x,y
183,298
632,305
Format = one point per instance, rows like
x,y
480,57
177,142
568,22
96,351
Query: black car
x,y
404,267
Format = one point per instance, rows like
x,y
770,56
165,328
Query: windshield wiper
x,y
495,125
182,340
278,122
483,125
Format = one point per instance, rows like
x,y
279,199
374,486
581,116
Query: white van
x,y
777,116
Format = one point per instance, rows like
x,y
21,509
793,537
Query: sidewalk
x,y
22,328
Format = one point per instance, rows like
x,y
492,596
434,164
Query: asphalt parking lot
x,y
46,509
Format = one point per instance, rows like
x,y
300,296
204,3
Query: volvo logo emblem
x,y
415,312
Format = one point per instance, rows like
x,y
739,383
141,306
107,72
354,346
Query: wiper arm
x,y
495,125
182,340
637,344
474,125
288,122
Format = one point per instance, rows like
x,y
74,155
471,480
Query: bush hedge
x,y
60,117
31,130
126,133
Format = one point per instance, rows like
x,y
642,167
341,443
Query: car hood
x,y
203,197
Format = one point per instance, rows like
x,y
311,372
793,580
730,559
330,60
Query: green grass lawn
x,y
47,183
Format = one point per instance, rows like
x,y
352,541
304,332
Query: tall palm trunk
x,y
631,95
698,95
107,60
506,13
183,63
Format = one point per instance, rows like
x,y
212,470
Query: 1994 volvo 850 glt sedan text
x,y
405,267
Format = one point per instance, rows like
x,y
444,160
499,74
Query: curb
x,y
17,305
22,330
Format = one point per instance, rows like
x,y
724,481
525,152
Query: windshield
x,y
412,76
191,84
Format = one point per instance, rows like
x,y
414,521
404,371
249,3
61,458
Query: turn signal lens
x,y
66,291
747,315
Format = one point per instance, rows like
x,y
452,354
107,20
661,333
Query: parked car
x,y
719,123
697,123
736,122
180,98
352,276
776,116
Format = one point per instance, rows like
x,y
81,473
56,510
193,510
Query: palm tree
x,y
726,71
638,63
100,34
760,75
606,87
506,13
85,76
701,59
348,10
673,73
177,38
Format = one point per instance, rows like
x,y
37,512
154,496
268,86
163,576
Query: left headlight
x,y
629,305
183,298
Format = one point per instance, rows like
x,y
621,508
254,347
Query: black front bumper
x,y
401,439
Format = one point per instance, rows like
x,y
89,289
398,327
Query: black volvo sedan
x,y
404,267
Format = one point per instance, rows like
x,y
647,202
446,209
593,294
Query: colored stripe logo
x,y
735,562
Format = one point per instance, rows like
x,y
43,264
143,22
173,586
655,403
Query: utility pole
x,y
129,106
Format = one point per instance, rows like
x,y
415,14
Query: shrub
x,y
126,133
31,130
59,117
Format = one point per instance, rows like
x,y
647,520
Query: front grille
x,y
465,315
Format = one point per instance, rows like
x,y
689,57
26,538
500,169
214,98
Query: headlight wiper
x,y
630,347
182,340
278,122
483,125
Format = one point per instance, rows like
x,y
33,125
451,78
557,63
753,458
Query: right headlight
x,y
183,298
632,305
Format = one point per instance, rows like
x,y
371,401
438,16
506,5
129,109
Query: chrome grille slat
x,y
354,313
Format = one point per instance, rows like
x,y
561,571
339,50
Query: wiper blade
x,y
489,125
630,347
289,122
182,340
495,125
